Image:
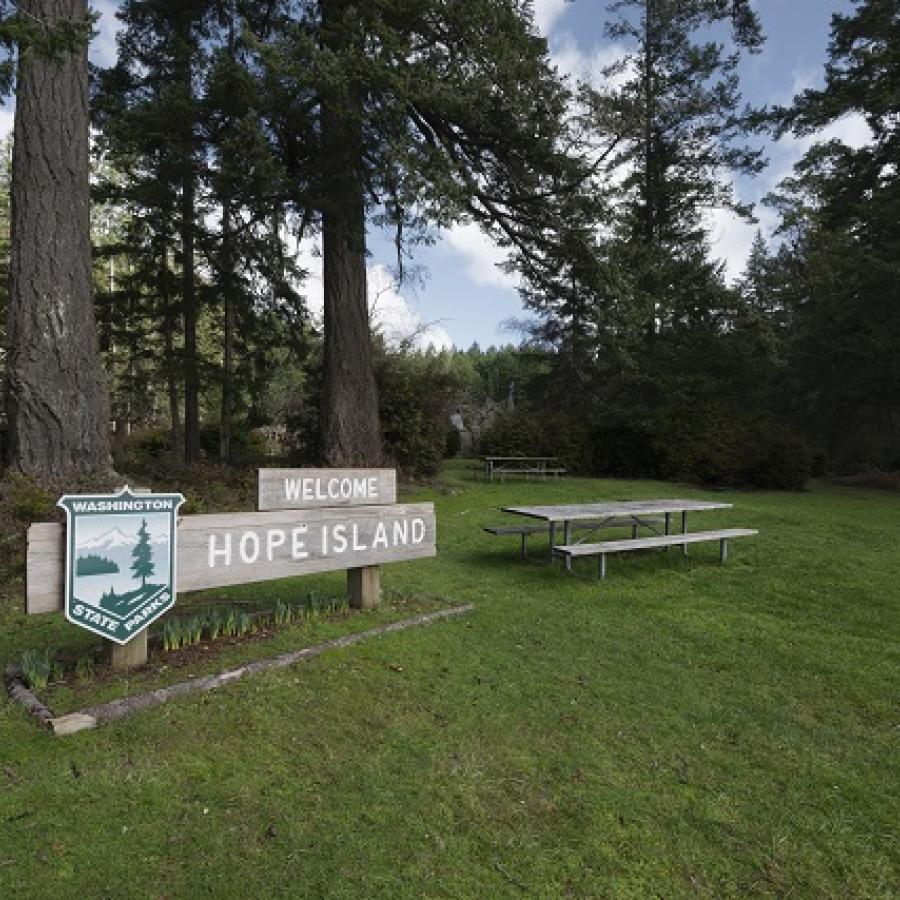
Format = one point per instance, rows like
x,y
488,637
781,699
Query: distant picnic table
x,y
639,513
521,465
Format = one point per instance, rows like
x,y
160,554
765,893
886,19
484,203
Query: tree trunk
x,y
351,430
58,400
650,185
189,311
226,283
184,63
169,350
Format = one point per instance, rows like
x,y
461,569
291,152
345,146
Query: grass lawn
x,y
683,729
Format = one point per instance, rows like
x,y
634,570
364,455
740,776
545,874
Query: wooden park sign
x,y
310,520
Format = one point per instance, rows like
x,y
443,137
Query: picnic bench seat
x,y
556,471
614,522
601,549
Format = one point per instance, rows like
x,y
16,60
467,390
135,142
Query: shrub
x,y
701,445
37,667
514,433
248,446
416,396
705,444
144,447
622,449
774,455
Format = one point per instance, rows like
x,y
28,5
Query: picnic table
x,y
638,511
521,465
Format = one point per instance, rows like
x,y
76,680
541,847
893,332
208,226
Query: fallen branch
x,y
20,693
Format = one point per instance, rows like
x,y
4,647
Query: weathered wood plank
x,y
663,540
364,587
320,488
615,522
574,512
239,548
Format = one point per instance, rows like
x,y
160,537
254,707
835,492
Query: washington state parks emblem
x,y
120,560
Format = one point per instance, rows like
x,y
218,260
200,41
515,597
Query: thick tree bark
x,y
189,311
351,430
169,315
226,284
184,63
58,401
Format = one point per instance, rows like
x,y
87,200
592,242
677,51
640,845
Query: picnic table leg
x,y
668,526
552,539
523,545
684,548
723,550
602,566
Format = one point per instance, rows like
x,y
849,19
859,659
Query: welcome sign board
x,y
313,488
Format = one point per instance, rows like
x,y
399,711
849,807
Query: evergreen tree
x,y
430,112
148,118
839,217
678,132
143,566
206,201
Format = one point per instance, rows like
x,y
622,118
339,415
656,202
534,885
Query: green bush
x,y
622,449
701,445
515,433
417,393
26,501
775,455
522,433
144,447
705,444
248,446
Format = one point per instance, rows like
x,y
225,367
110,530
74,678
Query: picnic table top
x,y
517,458
574,511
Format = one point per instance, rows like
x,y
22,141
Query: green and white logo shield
x,y
120,560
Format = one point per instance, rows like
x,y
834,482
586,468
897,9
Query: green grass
x,y
683,729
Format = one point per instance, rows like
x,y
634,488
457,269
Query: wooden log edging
x,y
117,709
20,693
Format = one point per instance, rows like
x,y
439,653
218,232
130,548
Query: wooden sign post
x,y
310,520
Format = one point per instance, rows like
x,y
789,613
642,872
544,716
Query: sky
x,y
458,295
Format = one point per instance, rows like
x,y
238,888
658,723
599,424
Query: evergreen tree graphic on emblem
x,y
143,566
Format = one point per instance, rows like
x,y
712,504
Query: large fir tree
x,y
427,112
679,133
839,220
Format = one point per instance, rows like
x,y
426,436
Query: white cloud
x,y
396,319
103,50
546,13
391,313
481,255
784,154
7,115
571,60
730,238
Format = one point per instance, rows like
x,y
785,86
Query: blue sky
x,y
461,295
